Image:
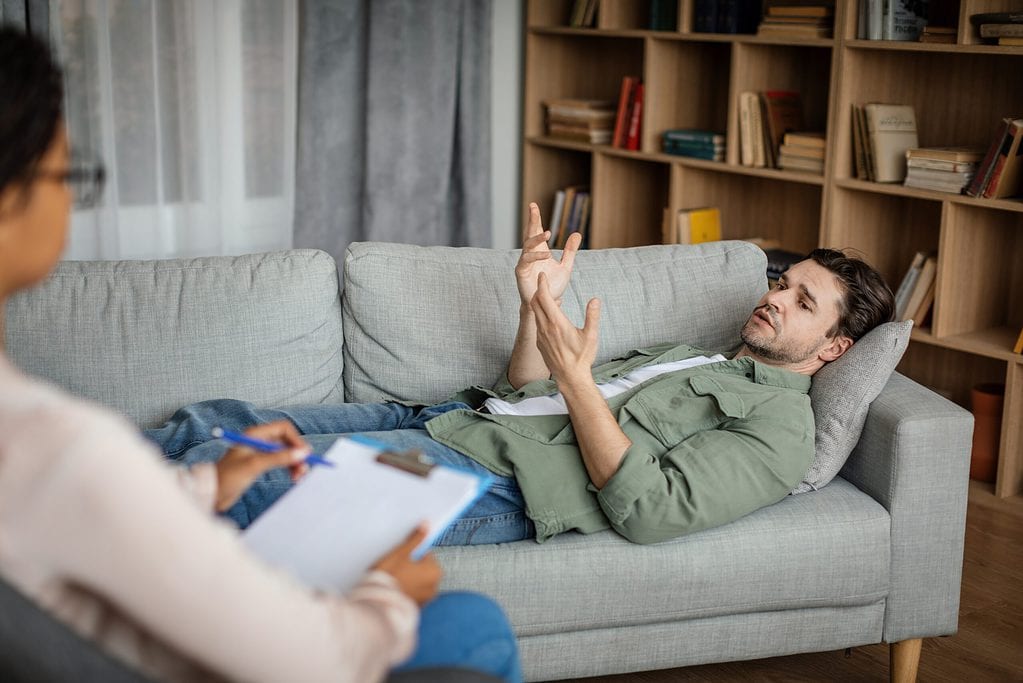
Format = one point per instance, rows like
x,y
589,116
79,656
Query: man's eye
x,y
804,305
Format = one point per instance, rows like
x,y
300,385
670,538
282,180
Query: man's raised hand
x,y
568,351
536,258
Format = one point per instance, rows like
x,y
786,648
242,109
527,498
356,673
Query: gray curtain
x,y
393,123
31,15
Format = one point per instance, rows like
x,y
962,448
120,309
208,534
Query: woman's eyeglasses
x,y
85,176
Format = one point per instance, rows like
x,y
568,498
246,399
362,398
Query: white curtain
x,y
191,106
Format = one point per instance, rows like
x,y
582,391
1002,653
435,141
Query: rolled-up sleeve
x,y
711,478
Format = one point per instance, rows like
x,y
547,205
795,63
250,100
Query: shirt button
x,y
749,374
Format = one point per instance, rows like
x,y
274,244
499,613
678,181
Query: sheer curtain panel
x,y
191,106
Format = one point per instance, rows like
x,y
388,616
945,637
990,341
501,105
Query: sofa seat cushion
x,y
424,322
152,336
828,548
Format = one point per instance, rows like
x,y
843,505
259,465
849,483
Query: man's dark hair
x,y
867,301
31,103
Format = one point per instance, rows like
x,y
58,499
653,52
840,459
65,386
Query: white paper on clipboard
x,y
338,521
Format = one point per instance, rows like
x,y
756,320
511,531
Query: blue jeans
x,y
466,630
496,517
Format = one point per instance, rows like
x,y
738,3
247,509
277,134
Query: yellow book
x,y
1019,343
698,225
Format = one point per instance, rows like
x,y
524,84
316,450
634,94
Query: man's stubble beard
x,y
761,347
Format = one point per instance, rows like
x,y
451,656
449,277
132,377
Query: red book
x,y
632,142
624,106
983,174
1005,174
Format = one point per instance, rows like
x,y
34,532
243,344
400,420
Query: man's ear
x,y
834,349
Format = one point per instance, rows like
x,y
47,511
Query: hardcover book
x,y
784,113
695,226
892,130
979,182
1005,175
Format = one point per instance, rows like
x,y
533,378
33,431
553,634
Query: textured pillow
x,y
842,392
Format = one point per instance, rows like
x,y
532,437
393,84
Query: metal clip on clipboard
x,y
412,461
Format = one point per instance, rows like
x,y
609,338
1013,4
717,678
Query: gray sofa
x,y
874,556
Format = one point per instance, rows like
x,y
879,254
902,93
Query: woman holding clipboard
x,y
123,549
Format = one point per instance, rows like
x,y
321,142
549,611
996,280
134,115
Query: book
x,y
939,165
581,134
958,153
663,15
859,155
891,130
636,119
757,129
621,128
1019,343
784,113
982,18
801,151
590,17
745,130
694,135
999,30
389,493
938,34
554,224
905,289
705,16
801,10
868,153
976,187
695,226
920,316
875,18
566,214
923,282
807,138
1010,40
1005,174
791,163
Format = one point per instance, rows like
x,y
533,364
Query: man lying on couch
x,y
659,443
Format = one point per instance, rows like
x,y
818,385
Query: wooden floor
x,y
988,647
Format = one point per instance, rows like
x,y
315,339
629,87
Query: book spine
x,y
906,24
875,18
728,16
745,131
635,124
624,104
979,182
757,131
705,17
862,20
995,187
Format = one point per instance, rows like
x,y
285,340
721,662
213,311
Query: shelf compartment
x,y
579,66
803,68
549,170
993,342
752,206
887,230
980,284
629,196
949,372
1009,481
903,191
686,87
905,76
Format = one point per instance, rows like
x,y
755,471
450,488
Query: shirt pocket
x,y
673,414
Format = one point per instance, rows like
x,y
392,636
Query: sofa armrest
x,y
914,458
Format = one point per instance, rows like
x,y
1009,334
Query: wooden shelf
x,y
994,342
693,80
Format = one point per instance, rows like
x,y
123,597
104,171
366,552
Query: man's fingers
x,y
534,241
571,247
592,322
532,256
535,226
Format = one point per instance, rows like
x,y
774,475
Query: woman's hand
x,y
240,466
417,579
536,258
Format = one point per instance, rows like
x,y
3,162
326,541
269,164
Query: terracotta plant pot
x,y
986,401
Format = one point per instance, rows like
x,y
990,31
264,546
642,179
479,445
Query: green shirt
x,y
709,445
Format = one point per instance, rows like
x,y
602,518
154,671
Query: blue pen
x,y
264,446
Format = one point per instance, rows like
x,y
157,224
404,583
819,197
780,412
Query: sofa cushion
x,y
829,548
421,323
841,394
264,328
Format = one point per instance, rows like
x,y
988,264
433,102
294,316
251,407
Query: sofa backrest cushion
x,y
421,323
841,394
146,337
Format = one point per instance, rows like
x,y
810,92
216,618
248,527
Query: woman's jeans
x,y
469,631
496,517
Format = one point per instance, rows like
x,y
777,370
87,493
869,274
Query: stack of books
x,y
915,295
689,142
1000,172
1003,28
802,151
570,213
798,21
764,118
581,120
881,135
943,169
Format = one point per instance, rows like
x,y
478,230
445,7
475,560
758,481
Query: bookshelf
x,y
693,80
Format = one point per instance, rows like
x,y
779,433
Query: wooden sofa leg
x,y
904,659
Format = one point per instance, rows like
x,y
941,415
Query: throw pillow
x,y
842,392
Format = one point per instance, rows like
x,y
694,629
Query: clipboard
x,y
338,521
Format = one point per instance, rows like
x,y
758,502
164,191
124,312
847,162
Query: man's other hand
x,y
567,350
536,258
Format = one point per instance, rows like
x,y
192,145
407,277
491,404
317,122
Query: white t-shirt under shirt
x,y
555,403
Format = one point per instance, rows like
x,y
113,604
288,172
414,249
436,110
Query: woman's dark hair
x,y
31,103
867,300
